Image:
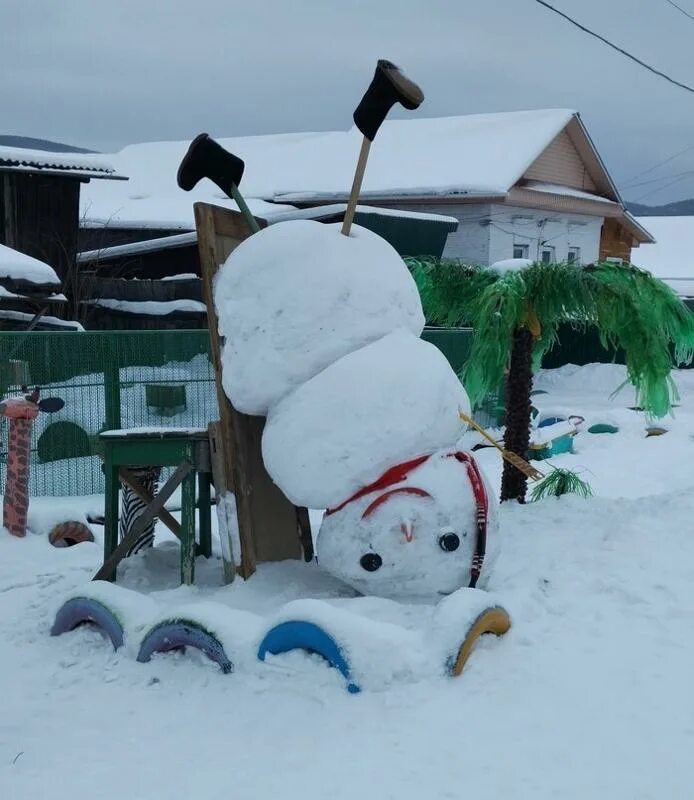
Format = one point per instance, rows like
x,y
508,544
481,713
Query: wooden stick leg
x,y
356,187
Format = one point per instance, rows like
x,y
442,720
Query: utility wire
x,y
679,8
634,185
662,163
616,47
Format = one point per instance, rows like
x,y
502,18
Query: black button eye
x,y
371,562
449,542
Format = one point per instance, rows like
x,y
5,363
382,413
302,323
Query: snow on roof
x,y
79,164
22,267
671,258
478,154
186,239
568,191
54,321
155,308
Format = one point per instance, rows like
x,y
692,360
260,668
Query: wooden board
x,y
269,524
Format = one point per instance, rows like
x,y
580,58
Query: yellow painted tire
x,y
492,620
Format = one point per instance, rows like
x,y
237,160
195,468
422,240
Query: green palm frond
x,y
631,309
560,482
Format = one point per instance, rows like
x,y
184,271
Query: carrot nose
x,y
406,528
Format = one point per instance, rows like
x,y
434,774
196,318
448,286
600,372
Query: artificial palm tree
x,y
515,315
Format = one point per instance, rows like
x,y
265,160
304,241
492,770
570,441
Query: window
x,y
574,256
547,255
520,250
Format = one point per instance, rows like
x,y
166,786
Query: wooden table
x,y
187,450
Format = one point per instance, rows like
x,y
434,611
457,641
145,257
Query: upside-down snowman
x,y
321,330
321,335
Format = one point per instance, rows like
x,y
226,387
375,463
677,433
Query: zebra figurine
x,y
132,506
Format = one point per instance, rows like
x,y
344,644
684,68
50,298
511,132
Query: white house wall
x,y
487,232
510,226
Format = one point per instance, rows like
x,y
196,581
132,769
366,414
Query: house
x,y
40,202
520,184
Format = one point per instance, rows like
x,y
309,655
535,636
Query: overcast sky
x,y
103,74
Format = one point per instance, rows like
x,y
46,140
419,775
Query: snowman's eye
x,y
371,562
449,542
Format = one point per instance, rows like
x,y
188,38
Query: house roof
x,y
83,165
671,256
478,155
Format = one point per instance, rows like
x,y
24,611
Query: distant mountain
x,y
30,143
681,208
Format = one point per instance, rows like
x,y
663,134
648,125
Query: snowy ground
x,y
588,696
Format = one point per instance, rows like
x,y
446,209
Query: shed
x,y
39,202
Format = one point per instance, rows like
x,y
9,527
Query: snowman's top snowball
x,y
389,402
299,295
511,265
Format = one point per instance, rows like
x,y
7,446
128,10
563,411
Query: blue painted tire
x,y
86,611
301,635
178,634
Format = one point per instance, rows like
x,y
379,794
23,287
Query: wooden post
x,y
268,524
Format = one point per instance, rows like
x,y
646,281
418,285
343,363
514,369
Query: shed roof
x,y
83,165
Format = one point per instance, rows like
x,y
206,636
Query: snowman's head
x,y
414,538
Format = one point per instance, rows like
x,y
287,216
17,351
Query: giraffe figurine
x,y
21,413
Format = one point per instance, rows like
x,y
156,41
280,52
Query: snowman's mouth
x,y
383,498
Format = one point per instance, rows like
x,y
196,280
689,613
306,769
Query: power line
x,y
616,47
651,192
679,8
634,185
662,163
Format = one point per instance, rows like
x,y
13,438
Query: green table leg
x,y
111,509
205,512
188,529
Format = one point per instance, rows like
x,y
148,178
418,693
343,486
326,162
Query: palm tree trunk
x,y
518,387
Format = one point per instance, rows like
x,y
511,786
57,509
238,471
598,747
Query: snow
x,y
297,296
511,265
547,433
136,248
411,569
671,258
567,191
22,316
20,266
477,154
152,308
151,430
96,166
588,696
386,403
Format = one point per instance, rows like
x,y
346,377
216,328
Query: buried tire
x,y
492,620
300,635
179,634
84,611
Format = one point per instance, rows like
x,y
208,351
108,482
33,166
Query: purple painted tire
x,y
86,611
182,633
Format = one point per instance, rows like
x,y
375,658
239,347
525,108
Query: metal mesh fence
x,y
125,379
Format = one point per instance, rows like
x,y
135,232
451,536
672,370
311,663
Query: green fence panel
x,y
126,379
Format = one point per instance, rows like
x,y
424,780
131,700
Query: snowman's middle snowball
x,y
386,403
